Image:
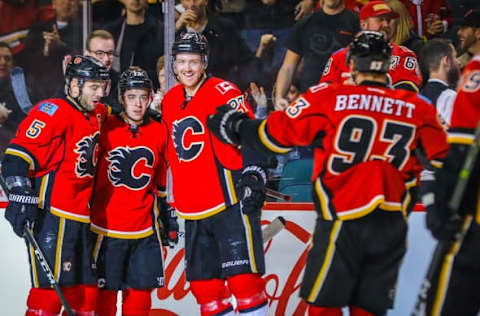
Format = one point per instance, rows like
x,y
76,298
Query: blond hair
x,y
404,23
103,34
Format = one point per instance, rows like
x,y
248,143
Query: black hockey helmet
x,y
370,51
134,78
86,68
191,42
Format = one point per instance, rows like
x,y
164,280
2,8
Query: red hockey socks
x,y
82,299
43,302
107,303
213,296
357,311
324,311
249,291
136,302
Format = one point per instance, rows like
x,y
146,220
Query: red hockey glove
x,y
251,188
22,205
225,124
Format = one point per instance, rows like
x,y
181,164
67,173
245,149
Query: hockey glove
x,y
225,124
168,216
251,188
442,223
22,205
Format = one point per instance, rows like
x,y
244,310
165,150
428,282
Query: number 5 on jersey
x,y
35,129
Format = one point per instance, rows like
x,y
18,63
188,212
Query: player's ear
x,y
74,88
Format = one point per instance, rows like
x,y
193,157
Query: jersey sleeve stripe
x,y
43,191
23,154
268,142
406,82
324,200
460,138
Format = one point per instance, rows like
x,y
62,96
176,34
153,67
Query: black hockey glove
x,y
22,205
251,188
168,217
442,223
225,124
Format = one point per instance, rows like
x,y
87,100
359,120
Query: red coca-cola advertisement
x,y
285,255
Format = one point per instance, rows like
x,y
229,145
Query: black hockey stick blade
x,y
443,246
41,259
273,228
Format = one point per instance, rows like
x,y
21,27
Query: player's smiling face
x,y
135,103
189,69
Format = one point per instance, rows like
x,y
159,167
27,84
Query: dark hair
x,y
5,45
434,50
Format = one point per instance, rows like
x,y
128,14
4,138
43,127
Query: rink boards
x,y
285,258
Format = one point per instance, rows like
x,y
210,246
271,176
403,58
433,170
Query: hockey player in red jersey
x,y
364,175
403,73
454,289
49,168
223,242
129,184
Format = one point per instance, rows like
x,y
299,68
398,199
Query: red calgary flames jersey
x,y
201,166
466,109
60,144
131,166
403,68
365,139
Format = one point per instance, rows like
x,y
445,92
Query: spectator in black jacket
x,y
139,39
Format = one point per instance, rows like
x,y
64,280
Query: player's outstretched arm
x,y
236,128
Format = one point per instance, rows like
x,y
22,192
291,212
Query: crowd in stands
x,y
272,49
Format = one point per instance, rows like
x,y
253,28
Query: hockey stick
x,y
42,260
277,195
268,232
273,228
443,246
20,90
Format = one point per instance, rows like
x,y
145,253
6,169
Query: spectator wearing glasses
x,y
101,45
